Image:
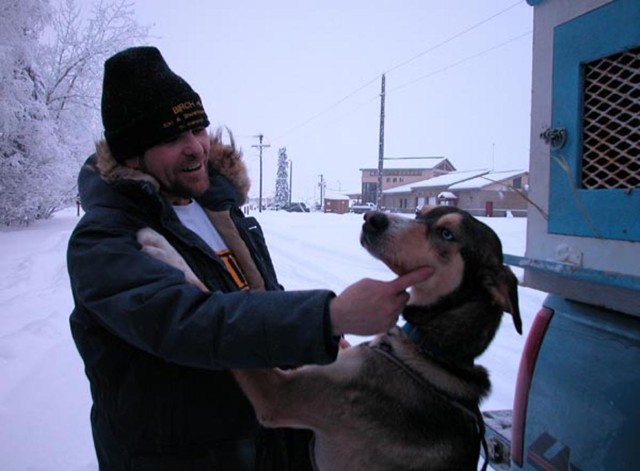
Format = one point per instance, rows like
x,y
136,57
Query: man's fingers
x,y
403,296
409,279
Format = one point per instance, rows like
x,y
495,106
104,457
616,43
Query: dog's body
x,y
405,401
370,410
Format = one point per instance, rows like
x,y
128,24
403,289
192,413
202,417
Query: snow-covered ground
x,y
44,395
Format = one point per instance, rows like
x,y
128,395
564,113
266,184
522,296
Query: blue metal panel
x,y
583,405
610,214
567,270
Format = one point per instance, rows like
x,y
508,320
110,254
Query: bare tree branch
x,y
80,48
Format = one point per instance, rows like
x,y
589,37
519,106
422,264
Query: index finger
x,y
409,279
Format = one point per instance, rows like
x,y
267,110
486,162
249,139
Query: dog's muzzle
x,y
375,224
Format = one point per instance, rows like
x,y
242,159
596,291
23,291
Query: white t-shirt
x,y
193,216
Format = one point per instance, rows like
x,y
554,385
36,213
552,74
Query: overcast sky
x,y
307,75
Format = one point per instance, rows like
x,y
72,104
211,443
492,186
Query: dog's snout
x,y
375,221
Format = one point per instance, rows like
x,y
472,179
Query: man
x,y
157,349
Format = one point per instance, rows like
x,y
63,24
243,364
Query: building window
x,y
369,192
517,183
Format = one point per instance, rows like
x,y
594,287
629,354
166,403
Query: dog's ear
x,y
504,291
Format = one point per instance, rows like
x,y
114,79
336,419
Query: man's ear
x,y
504,291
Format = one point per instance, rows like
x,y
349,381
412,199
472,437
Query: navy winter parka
x,y
156,349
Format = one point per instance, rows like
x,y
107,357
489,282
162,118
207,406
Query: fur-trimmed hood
x,y
228,174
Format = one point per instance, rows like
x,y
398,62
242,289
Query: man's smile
x,y
192,168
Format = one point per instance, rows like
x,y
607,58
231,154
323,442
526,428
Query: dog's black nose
x,y
375,221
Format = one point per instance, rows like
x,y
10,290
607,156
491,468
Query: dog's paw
x,y
156,246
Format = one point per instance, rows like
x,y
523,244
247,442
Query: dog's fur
x,y
391,403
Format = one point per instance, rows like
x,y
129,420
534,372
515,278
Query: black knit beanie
x,y
144,102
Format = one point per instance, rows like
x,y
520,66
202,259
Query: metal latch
x,y
555,137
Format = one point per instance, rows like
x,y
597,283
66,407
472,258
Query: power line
x,y
420,54
328,109
455,36
461,61
431,74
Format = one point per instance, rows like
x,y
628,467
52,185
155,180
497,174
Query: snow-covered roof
x,y
445,180
334,195
447,195
413,163
488,179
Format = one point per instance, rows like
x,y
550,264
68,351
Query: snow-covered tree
x,y
282,178
28,148
72,64
50,97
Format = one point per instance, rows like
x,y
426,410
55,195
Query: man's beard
x,y
177,188
180,190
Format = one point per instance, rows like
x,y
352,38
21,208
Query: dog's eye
x,y
446,234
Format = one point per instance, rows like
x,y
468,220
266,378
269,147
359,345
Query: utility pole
x,y
493,156
260,146
321,185
380,147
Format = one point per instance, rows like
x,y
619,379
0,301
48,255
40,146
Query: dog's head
x,y
470,279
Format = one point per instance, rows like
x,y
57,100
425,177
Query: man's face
x,y
180,165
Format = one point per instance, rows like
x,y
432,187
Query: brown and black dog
x,y
407,400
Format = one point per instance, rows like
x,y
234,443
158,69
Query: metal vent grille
x,y
611,149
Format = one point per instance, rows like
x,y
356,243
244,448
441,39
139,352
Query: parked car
x,y
362,208
296,208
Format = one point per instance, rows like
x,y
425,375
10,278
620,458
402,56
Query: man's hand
x,y
370,307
